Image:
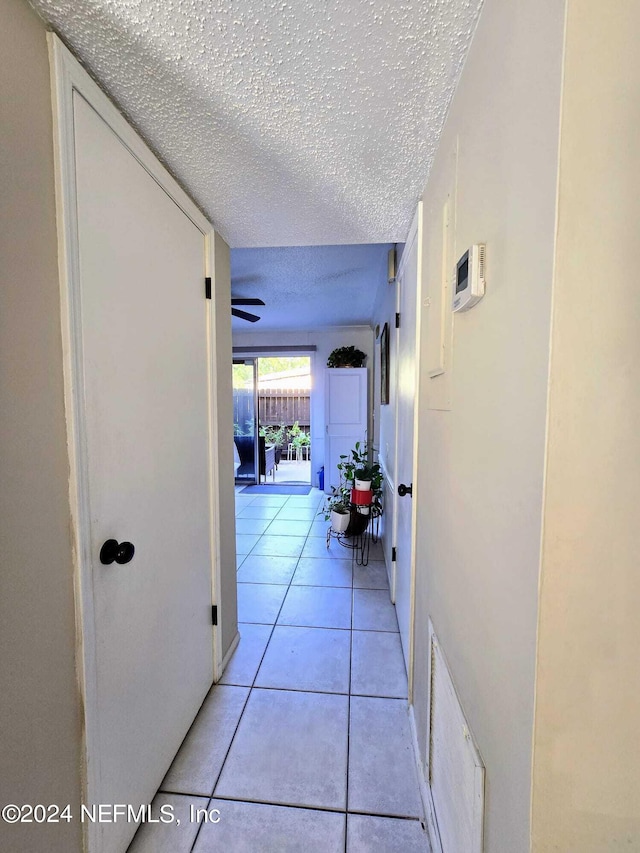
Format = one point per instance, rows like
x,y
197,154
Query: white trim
x,y
427,774
64,156
258,351
415,233
416,438
425,790
389,564
229,654
68,77
214,464
310,351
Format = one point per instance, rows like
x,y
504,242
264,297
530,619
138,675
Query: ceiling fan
x,y
245,315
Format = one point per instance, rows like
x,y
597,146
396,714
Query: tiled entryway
x,y
305,744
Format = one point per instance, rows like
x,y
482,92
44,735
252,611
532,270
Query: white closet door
x,y
142,353
345,416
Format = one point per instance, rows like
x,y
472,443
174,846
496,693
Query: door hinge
x,y
394,554
207,287
214,614
397,321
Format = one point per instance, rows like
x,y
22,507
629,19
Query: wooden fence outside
x,y
285,406
276,406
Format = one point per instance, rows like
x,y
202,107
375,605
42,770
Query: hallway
x,y
305,743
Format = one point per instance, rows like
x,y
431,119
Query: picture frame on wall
x,y
384,366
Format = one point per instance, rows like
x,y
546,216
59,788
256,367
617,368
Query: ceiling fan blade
x,y
242,301
252,318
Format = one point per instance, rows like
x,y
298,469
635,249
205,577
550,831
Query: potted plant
x,y
294,431
362,478
354,505
337,511
362,500
298,438
360,473
346,357
355,466
274,435
348,464
302,439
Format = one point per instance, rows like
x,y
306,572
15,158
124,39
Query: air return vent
x,y
456,771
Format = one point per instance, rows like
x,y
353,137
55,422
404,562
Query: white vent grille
x,y
481,257
456,771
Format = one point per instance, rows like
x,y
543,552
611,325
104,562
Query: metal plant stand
x,y
358,542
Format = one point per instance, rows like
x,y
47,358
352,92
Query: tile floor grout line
x,y
251,688
319,692
326,809
273,624
273,628
350,629
346,804
316,585
199,829
311,690
235,731
328,627
244,705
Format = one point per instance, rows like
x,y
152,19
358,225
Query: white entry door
x,y
346,414
141,376
407,296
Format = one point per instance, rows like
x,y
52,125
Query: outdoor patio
x,y
292,472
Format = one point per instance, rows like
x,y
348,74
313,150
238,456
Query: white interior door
x,y
406,385
346,414
142,352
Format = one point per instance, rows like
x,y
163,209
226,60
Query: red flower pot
x,y
360,498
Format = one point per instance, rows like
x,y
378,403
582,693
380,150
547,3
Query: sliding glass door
x,y
272,400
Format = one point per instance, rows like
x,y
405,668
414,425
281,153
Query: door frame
x,y
310,351
67,77
256,415
415,236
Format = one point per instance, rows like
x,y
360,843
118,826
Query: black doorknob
x,y
114,551
405,490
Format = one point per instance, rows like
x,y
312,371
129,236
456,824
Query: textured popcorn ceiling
x,y
290,123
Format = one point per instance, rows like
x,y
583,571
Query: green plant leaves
x,y
346,357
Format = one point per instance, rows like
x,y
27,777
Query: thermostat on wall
x,y
468,285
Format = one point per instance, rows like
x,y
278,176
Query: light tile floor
x,y
305,744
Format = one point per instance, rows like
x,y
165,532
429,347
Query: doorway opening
x,y
272,421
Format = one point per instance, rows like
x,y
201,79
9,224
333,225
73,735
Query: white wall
x,y
39,710
480,462
325,340
586,794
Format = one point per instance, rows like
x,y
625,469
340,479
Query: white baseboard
x,y
227,657
425,793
